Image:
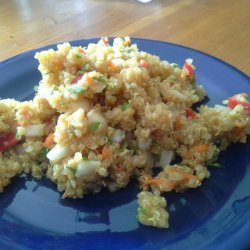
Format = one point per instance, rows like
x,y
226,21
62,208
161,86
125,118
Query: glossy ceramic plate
x,y
214,216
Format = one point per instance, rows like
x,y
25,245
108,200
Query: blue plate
x,y
214,216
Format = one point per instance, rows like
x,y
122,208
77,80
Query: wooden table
x,y
218,27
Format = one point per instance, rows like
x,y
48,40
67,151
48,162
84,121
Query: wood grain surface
x,y
218,27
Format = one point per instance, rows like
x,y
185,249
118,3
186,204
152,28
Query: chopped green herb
x,y
100,79
127,49
55,88
78,56
172,78
36,88
42,155
94,126
215,156
175,65
75,89
124,147
18,136
73,170
215,165
84,68
125,105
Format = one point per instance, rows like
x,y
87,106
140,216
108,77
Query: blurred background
x,y
218,27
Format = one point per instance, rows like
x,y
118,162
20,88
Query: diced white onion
x,y
83,103
95,116
178,94
144,144
44,91
87,167
35,130
118,61
189,61
118,136
222,108
97,87
58,152
166,158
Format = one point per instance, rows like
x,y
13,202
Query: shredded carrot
x,y
89,80
112,66
81,50
49,141
174,170
153,181
178,123
57,61
191,177
25,111
201,148
106,153
163,184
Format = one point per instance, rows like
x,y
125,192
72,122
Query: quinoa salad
x,y
105,114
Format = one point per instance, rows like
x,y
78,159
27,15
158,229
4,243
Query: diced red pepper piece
x,y
189,69
190,113
158,134
77,78
144,63
233,102
7,141
98,150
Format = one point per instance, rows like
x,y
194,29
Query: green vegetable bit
x,y
100,79
76,90
55,88
73,170
125,105
36,88
175,65
84,68
215,165
18,136
124,146
43,154
94,126
78,56
172,78
127,49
